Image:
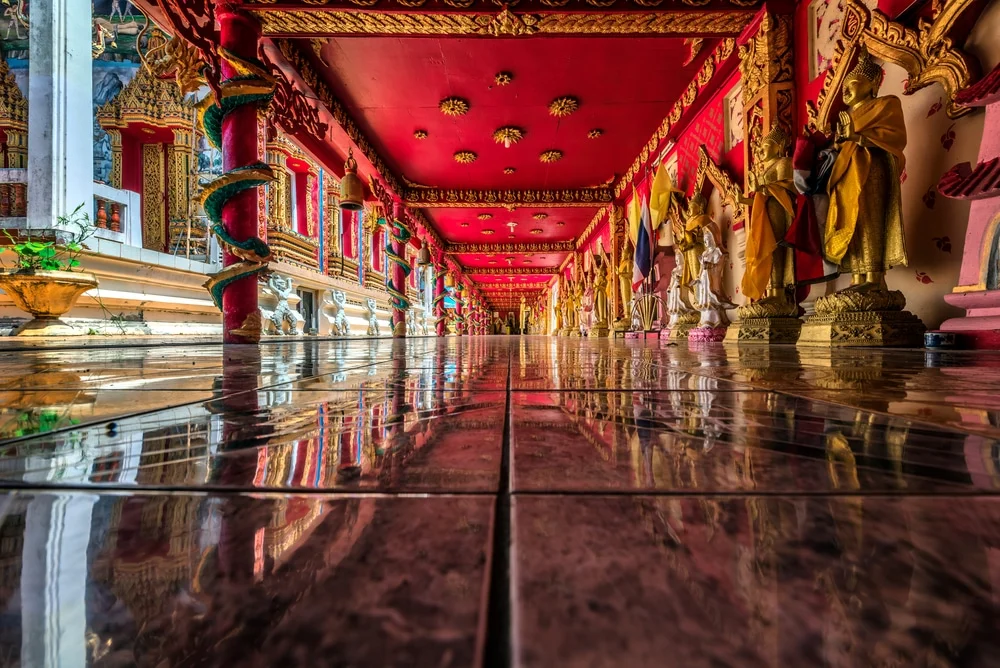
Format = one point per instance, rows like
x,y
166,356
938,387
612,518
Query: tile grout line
x,y
499,640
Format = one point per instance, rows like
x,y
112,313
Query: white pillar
x,y
60,111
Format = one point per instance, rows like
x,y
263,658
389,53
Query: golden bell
x,y
351,188
424,256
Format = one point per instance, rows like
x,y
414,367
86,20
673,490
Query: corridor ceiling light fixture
x,y
536,230
487,231
508,135
503,78
552,155
563,106
465,157
454,106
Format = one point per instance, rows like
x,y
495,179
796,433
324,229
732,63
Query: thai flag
x,y
643,259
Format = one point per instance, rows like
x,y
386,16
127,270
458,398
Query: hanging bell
x,y
352,192
424,256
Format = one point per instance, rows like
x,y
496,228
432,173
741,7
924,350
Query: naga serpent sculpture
x,y
251,85
440,324
397,234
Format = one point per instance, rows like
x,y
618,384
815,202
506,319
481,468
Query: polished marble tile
x,y
698,441
755,581
406,441
264,580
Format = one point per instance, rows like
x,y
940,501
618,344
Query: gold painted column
x,y
179,169
153,197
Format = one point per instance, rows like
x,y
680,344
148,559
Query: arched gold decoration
x,y
927,54
730,193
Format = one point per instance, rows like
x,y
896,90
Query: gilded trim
x,y
550,247
442,198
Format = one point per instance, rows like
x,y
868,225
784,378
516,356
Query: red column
x,y
240,215
439,298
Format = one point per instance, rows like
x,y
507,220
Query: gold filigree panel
x,y
306,23
729,191
153,192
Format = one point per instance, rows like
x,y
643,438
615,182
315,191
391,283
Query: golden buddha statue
x,y
599,326
770,265
690,241
625,285
864,225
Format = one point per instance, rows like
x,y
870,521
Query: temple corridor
x,y
462,501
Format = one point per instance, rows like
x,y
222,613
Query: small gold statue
x,y
770,265
625,285
600,286
864,225
690,241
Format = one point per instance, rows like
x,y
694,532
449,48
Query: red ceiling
x,y
449,223
392,87
483,260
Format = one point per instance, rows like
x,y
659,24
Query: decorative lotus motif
x,y
563,106
503,78
508,135
465,157
552,155
454,106
595,133
420,134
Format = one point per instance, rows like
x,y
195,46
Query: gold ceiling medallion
x,y
420,134
563,106
465,157
595,133
503,78
454,106
552,155
560,224
509,170
540,216
484,216
305,22
536,230
487,231
927,54
508,135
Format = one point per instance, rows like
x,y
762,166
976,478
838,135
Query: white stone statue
x,y
411,322
709,297
281,288
676,306
372,318
339,326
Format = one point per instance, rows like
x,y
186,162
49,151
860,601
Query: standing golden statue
x,y
690,240
770,264
602,315
864,224
625,286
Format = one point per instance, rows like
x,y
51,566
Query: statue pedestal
x,y
872,318
707,334
678,332
980,327
764,330
598,331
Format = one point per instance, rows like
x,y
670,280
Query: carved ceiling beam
x,y
709,69
550,247
438,198
312,23
504,271
928,55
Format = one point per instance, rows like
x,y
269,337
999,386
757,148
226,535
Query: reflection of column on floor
x,y
54,581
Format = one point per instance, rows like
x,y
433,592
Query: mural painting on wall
x,y
733,108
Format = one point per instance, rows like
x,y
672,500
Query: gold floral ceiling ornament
x,y
503,78
420,134
465,157
454,106
487,231
509,170
552,155
463,225
508,135
484,216
563,106
560,224
536,230
595,133
540,216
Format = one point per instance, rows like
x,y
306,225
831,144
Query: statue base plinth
x,y
564,331
765,330
573,334
897,329
707,334
598,331
678,332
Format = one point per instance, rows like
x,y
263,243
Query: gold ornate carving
x,y
508,24
927,54
484,216
705,75
563,106
487,231
335,22
148,100
730,193
863,328
465,157
153,187
13,105
420,134
179,168
503,78
440,198
552,155
115,137
550,247
453,106
163,56
540,216
508,135
591,226
595,133
850,300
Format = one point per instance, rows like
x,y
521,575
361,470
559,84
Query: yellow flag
x,y
659,195
634,217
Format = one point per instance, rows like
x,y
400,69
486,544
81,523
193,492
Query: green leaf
x,y
74,247
73,262
34,246
47,252
51,265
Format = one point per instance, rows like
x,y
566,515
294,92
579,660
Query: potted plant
x,y
45,280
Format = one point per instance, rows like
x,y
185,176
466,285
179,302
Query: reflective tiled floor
x,y
498,501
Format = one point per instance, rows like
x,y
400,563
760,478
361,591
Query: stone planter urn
x,y
46,295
